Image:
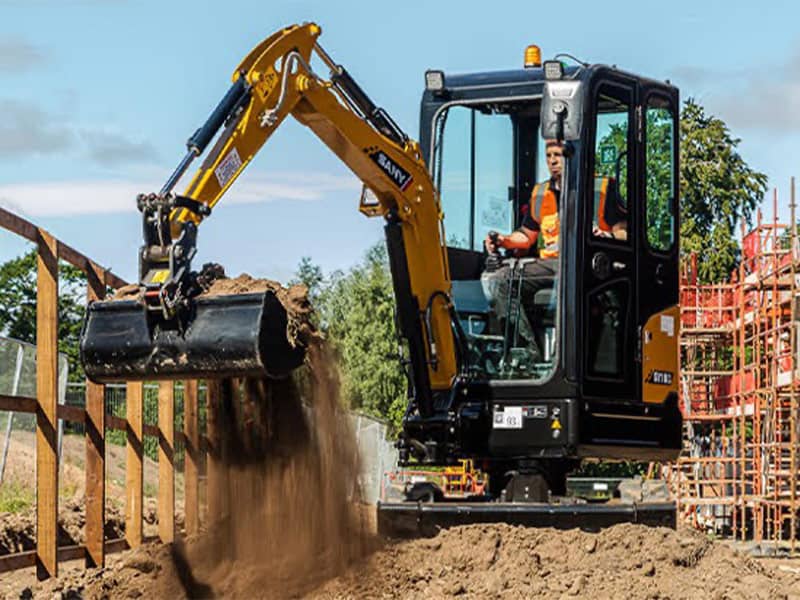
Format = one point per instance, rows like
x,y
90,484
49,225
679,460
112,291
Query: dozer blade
x,y
241,335
410,519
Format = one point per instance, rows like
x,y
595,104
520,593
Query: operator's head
x,y
554,154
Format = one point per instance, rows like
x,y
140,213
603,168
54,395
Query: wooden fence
x,y
96,422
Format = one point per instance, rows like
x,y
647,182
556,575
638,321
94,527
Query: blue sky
x,y
97,99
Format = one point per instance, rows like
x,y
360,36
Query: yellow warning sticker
x,y
556,424
160,276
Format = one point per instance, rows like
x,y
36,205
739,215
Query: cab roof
x,y
514,82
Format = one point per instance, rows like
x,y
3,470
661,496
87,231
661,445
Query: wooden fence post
x,y
95,428
133,464
166,452
47,402
214,471
191,455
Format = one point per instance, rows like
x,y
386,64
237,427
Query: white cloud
x,y
68,198
109,148
749,97
18,55
27,130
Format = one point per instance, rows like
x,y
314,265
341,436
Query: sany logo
x,y
395,172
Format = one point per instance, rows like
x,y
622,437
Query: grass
x,y
150,490
15,497
67,490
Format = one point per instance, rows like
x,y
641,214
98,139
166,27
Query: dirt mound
x,y
476,561
624,561
294,299
213,282
18,530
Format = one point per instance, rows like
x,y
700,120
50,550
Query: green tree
x,y
311,276
718,190
356,311
18,306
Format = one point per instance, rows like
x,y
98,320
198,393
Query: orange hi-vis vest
x,y
544,210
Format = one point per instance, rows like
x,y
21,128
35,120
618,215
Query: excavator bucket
x,y
237,335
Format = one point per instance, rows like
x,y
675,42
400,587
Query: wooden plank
x,y
202,446
87,265
191,488
73,414
29,231
19,560
18,225
166,453
22,404
214,470
22,560
115,423
46,416
133,464
95,436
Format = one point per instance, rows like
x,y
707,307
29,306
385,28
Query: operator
x,y
540,218
541,228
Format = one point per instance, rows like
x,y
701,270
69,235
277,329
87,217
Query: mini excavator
x,y
526,384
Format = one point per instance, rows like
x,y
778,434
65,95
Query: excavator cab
x,y
570,352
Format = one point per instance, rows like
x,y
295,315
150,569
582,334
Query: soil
x,y
213,282
18,530
294,299
471,562
502,561
132,291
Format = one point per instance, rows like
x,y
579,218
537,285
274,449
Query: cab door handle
x,y
658,274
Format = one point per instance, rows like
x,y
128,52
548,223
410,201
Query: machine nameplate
x,y
508,418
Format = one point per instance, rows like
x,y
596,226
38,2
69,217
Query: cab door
x,y
609,291
657,244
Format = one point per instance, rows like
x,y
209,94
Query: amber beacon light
x,y
533,57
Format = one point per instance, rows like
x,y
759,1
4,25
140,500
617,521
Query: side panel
x,y
660,356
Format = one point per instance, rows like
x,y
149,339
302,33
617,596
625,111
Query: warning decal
x,y
228,167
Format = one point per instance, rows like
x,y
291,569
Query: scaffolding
x,y
738,474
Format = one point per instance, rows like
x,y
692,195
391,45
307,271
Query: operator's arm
x,y
521,239
615,214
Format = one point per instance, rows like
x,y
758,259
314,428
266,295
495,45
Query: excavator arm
x,y
273,82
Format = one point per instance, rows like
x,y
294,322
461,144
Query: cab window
x,y
609,205
509,311
474,170
660,182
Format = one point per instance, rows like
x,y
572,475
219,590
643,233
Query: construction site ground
x,y
476,561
